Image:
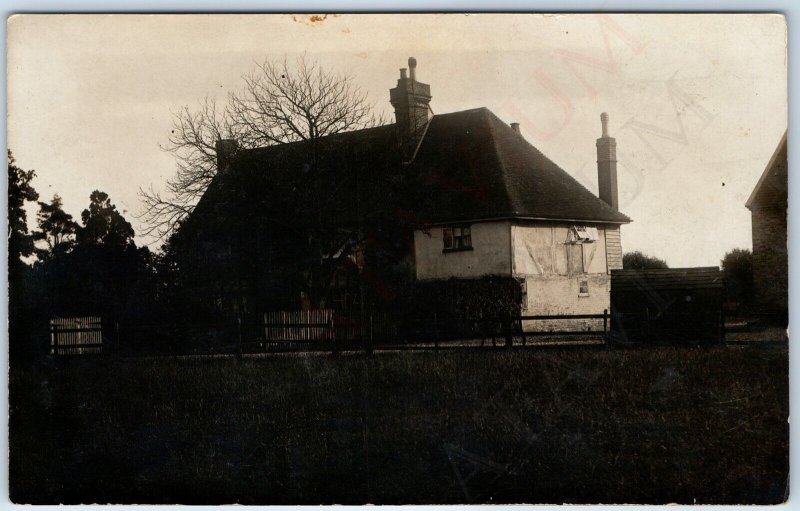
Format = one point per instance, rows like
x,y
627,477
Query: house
x,y
768,205
469,195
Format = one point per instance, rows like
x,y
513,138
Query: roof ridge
x,y
325,137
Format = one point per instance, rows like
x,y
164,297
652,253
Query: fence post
x,y
505,329
335,349
239,328
435,332
369,351
53,339
605,326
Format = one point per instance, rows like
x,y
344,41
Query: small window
x,y
584,288
457,238
583,234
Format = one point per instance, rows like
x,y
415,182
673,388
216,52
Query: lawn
x,y
538,426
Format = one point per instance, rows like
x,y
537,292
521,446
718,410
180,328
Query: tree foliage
x,y
639,261
56,226
280,102
20,191
20,244
104,225
737,267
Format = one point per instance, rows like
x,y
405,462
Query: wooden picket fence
x,y
76,336
303,326
323,328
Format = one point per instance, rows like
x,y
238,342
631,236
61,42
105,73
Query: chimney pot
x,y
412,67
515,127
411,102
607,166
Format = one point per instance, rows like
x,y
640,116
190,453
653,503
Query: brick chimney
x,y
515,127
411,100
607,166
226,151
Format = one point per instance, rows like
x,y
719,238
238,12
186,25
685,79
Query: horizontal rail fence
x,y
513,329
322,330
76,336
592,326
555,326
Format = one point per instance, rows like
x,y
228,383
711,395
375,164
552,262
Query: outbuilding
x,y
667,306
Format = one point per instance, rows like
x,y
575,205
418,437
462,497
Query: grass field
x,y
548,426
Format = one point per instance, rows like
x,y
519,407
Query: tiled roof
x,y
475,166
469,166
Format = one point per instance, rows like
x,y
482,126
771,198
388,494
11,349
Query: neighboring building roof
x,y
709,277
771,189
469,166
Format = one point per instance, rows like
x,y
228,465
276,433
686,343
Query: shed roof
x,y
708,277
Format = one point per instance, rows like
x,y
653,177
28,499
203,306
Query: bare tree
x,y
192,140
281,102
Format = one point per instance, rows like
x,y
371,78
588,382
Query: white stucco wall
x,y
490,254
541,249
537,252
553,271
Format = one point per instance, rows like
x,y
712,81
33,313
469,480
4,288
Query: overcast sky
x,y
697,103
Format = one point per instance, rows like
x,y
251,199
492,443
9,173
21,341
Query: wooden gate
x,y
76,336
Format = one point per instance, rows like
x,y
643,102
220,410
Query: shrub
x,y
737,266
639,261
468,306
488,297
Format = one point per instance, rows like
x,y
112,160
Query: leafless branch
x,y
279,103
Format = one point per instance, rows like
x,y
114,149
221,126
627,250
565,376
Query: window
x,y
457,238
583,288
583,234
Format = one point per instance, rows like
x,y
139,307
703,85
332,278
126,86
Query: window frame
x,y
457,238
581,234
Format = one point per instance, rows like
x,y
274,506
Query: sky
x,y
697,103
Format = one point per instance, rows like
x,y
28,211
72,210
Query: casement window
x,y
583,288
582,234
457,238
